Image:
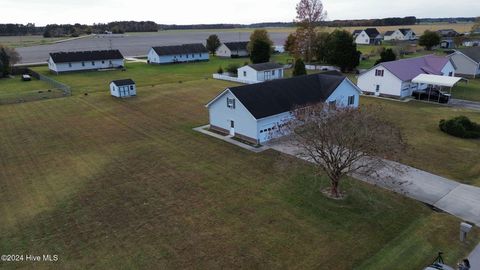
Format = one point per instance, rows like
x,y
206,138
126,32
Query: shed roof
x,y
279,96
265,66
79,56
180,49
123,82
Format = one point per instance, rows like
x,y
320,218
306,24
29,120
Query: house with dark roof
x,y
178,54
367,36
251,112
448,33
467,61
123,88
233,49
261,72
400,34
85,60
394,78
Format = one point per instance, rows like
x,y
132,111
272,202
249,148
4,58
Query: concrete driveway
x,y
462,201
465,104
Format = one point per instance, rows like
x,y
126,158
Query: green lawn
x,y
468,91
146,75
9,86
429,148
124,184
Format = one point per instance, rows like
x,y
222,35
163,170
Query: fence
x,y
232,79
57,90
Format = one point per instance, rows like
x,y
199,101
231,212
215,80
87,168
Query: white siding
x,y
123,91
250,74
362,38
343,91
84,65
448,69
389,83
223,51
221,115
465,65
154,58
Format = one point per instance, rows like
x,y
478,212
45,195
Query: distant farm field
x,y
120,184
26,41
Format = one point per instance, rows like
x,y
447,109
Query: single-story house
x,y
467,61
447,33
252,112
233,49
394,78
85,60
367,36
123,88
178,54
400,34
261,72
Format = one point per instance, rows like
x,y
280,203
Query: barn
x,y
85,60
123,88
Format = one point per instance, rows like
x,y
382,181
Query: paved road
x,y
135,44
467,104
474,258
462,201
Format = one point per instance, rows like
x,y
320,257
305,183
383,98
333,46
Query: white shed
x,y
261,72
123,88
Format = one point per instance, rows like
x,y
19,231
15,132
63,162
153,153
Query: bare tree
x,y
344,141
309,15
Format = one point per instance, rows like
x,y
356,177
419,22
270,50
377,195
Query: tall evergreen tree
x,y
341,50
213,42
5,60
386,55
260,46
299,68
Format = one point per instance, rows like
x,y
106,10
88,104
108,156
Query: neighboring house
x,y
367,36
471,43
447,44
85,60
261,72
393,79
123,88
178,54
448,33
467,61
253,112
233,49
400,34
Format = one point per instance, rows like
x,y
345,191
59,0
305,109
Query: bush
x,y
220,70
299,68
233,69
460,126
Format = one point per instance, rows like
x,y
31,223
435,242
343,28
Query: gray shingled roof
x,y
180,49
265,66
65,57
237,46
278,96
123,82
472,52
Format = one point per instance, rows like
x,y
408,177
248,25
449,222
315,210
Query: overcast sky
x,y
42,12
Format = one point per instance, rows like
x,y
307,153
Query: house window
x,y
69,64
332,104
351,100
110,62
83,64
244,74
273,72
131,87
379,72
103,62
193,55
93,63
199,55
450,74
377,88
186,56
231,103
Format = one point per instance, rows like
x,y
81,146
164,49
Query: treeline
x,y
11,29
373,22
62,30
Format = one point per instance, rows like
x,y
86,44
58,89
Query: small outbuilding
x,y
261,72
123,88
233,49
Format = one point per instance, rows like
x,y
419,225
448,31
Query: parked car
x,y
433,95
